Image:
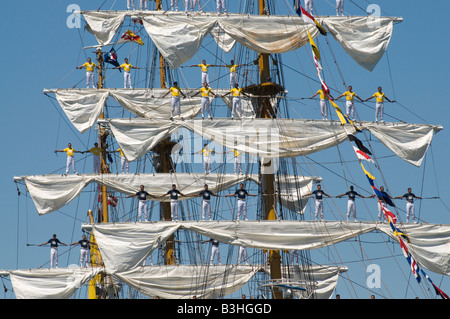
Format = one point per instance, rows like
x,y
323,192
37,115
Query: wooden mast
x,y
267,170
163,149
96,259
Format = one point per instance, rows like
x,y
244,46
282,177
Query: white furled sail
x,y
429,243
58,283
135,241
408,141
258,137
51,192
104,24
323,277
291,190
365,39
187,281
179,37
84,106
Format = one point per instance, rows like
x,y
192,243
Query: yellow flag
x,y
129,36
367,173
313,46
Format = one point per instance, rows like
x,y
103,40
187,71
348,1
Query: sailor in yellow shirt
x,y
237,161
124,165
349,96
236,91
96,152
233,75
323,105
206,103
70,157
206,151
379,105
126,73
176,91
89,65
204,67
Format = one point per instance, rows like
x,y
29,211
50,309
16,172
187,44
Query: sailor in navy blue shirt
x,y
84,252
142,196
242,206
351,207
409,205
206,202
174,193
381,203
214,249
53,250
319,193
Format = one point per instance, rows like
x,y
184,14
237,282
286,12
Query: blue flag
x,y
111,57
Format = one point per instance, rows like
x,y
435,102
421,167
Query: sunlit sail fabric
x,y
429,242
60,283
365,39
51,192
406,140
178,37
319,279
84,106
257,137
187,281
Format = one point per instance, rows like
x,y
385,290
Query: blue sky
x,y
40,51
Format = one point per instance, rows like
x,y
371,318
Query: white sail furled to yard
x,y
60,283
84,106
320,281
104,24
187,281
365,39
258,137
428,243
51,192
408,141
135,241
179,37
290,190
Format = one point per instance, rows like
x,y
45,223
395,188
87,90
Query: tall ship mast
x,y
242,165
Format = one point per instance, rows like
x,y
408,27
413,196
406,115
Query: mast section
x,y
163,149
267,171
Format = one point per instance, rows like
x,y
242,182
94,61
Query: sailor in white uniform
x,y
351,207
206,103
409,205
221,7
206,151
309,6
53,250
379,105
90,66
206,202
214,250
174,205
237,106
242,205
84,250
129,4
176,91
319,193
142,197
243,255
339,7
70,157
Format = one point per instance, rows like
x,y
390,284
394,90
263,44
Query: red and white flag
x,y
362,156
